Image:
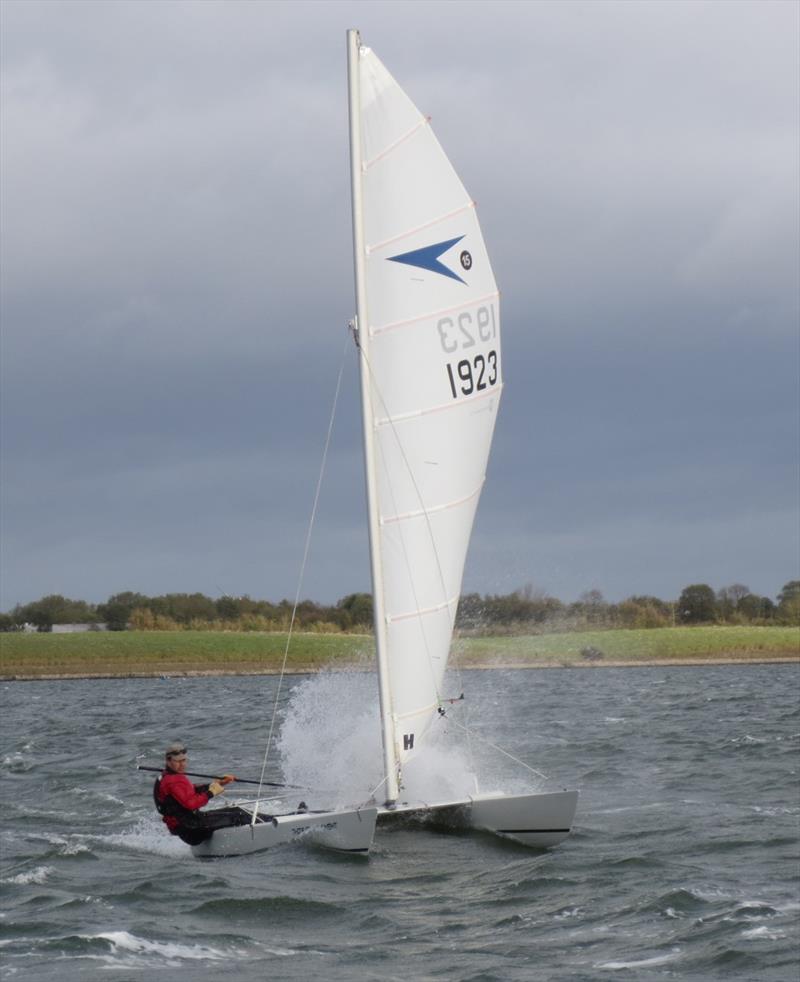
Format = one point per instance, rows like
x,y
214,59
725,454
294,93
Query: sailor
x,y
178,800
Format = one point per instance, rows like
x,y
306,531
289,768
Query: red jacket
x,y
180,789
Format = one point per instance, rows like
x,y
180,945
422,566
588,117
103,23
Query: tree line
x,y
524,611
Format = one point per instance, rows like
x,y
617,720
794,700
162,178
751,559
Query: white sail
x,y
429,326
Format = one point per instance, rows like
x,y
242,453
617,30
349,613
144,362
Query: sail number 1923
x,y
459,332
467,329
472,375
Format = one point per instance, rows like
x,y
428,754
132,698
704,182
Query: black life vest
x,y
174,809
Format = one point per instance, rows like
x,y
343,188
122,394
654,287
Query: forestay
x,y
433,372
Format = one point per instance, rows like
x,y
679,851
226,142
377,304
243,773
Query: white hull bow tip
x,y
538,820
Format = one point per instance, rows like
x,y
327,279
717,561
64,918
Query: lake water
x,y
684,861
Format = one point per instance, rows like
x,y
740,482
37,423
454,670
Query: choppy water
x,y
683,863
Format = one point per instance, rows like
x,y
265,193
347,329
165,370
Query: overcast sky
x,y
176,277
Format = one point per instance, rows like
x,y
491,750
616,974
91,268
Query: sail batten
x,y
422,612
442,407
401,139
431,509
419,228
429,314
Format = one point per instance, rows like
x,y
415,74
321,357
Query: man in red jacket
x,y
178,801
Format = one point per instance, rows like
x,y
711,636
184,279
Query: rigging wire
x,y
371,796
302,574
500,750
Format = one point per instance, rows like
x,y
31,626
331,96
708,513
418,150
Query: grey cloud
x,y
177,279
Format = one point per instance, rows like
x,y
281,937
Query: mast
x,y
390,762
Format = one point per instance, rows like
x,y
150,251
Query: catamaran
x,y
427,331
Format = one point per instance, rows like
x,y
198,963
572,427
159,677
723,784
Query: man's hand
x,y
226,779
215,788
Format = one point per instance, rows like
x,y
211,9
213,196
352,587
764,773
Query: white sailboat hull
x,y
538,820
347,831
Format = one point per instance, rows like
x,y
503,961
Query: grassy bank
x,y
174,652
177,652
678,644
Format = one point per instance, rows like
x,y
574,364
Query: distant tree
x,y
531,593
789,603
640,612
470,611
231,608
7,623
130,599
734,592
185,607
591,606
228,608
728,598
753,608
143,619
262,608
115,615
355,610
55,609
545,608
523,607
643,600
116,611
40,618
697,604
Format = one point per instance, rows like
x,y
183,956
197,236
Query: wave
x,y
124,941
641,962
37,875
763,933
149,836
61,845
678,903
15,763
122,949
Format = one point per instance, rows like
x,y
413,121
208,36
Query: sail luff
x,y
367,413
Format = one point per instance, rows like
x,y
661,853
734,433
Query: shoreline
x,y
480,667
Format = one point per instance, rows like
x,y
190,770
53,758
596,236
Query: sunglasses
x,y
176,753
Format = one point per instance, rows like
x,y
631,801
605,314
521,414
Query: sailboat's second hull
x,y
346,831
537,820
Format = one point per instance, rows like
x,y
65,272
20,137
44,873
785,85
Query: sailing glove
x,y
215,788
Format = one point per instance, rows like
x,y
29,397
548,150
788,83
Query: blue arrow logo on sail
x,y
428,258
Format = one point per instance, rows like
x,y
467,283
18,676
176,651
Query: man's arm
x,y
183,791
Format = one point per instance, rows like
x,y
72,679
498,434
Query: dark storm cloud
x,y
177,280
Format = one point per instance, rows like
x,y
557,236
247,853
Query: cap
x,y
176,751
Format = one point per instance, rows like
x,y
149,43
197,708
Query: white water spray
x,y
330,741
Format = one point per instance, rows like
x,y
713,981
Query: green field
x,y
174,652
636,646
178,652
